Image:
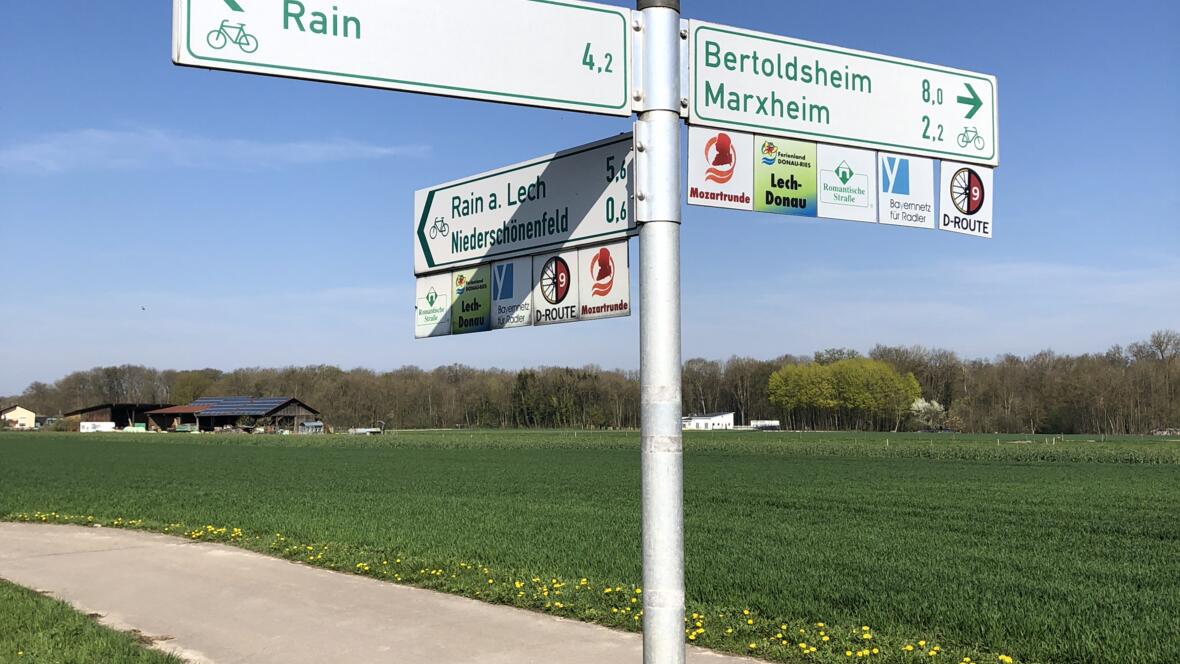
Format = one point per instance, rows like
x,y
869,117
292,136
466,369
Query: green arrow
x,y
973,101
233,4
422,229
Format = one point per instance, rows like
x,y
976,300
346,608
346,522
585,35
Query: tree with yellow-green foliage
x,y
851,393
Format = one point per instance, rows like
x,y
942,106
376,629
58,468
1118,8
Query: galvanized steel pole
x,y
658,137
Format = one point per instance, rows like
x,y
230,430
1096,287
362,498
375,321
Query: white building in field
x,y
19,417
707,422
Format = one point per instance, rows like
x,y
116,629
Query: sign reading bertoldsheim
x,y
562,54
559,201
753,81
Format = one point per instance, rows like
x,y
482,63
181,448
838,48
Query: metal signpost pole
x,y
658,194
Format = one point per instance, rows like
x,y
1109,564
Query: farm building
x,y
45,421
708,421
174,418
213,413
19,417
122,414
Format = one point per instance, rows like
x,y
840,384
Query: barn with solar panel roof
x,y
227,413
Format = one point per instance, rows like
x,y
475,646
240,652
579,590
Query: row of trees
x,y
853,393
1124,390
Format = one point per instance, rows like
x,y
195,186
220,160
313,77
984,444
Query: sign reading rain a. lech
x,y
563,54
559,201
751,81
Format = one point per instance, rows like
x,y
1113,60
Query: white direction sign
x,y
740,79
562,54
563,200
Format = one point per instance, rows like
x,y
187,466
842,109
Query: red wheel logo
x,y
967,191
555,280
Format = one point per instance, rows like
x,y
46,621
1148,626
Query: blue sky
x,y
265,221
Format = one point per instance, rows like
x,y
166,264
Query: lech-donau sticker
x,y
906,190
512,293
432,306
555,288
720,168
965,199
847,183
784,176
605,283
472,295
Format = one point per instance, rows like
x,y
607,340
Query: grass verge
x,y
35,629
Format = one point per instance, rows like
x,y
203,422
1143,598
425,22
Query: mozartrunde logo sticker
x,y
720,168
602,272
722,157
606,282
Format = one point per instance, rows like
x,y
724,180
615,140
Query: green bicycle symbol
x,y
970,136
231,33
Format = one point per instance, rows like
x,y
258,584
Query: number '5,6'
x,y
612,173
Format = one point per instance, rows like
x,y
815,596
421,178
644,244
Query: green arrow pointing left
x,y
973,101
233,4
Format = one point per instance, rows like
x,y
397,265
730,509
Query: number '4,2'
x,y
588,61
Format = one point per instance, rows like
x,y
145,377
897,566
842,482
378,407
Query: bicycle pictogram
x,y
971,136
232,33
440,227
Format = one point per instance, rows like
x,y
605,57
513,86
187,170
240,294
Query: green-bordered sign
x,y
559,201
753,81
562,54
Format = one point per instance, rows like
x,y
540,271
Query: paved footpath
x,y
216,604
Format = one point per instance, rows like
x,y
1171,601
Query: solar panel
x,y
239,406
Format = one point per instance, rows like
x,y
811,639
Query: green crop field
x,y
988,548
